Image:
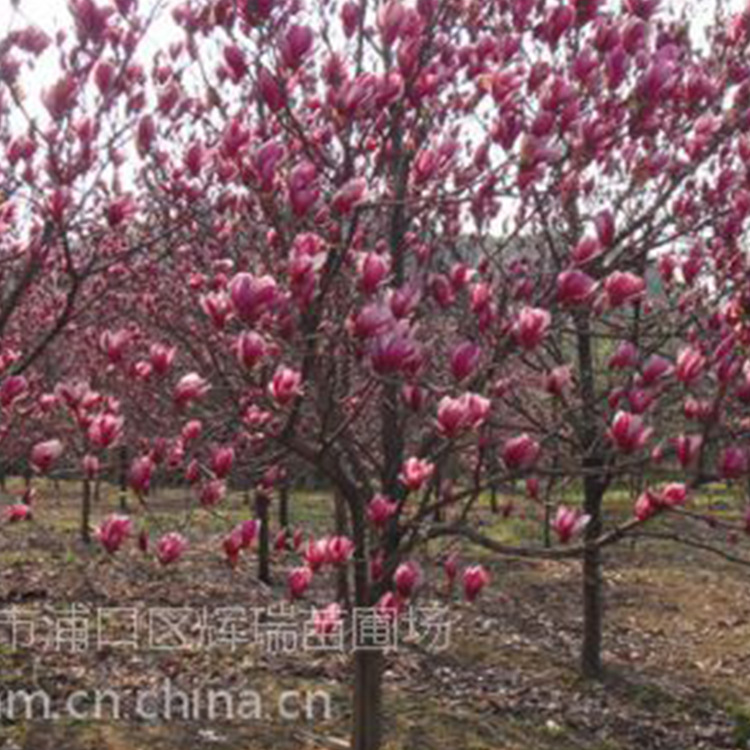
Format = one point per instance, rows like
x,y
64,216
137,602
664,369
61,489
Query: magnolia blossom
x,y
568,522
340,550
316,553
170,547
298,581
456,415
475,578
222,460
464,359
44,455
140,474
622,286
625,356
17,512
250,348
520,453
212,492
673,494
574,288
628,432
105,430
285,385
531,327
407,577
380,510
415,472
690,365
733,462
113,531
252,296
190,387
688,448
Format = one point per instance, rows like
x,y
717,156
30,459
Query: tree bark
x,y
594,486
262,502
368,692
123,478
86,512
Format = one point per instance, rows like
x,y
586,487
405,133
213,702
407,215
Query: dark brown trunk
x,y
342,574
262,502
123,478
368,691
86,512
594,485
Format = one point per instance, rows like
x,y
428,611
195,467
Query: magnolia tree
x,y
421,249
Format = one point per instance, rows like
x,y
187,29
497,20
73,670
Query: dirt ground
x,y
677,649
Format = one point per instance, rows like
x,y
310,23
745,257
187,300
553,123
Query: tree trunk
x,y
342,574
368,692
123,478
262,502
594,485
86,512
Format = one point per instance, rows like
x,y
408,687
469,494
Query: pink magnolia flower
x,y
673,494
190,387
628,432
252,296
113,531
248,531
655,369
464,359
568,522
690,365
450,568
733,463
192,430
12,389
585,251
389,606
298,581
520,453
475,578
285,385
467,412
251,348
161,357
232,545
415,472
558,381
688,448
140,474
646,506
371,320
316,553
625,356
170,547
349,196
271,90
406,578
45,454
531,327
374,267
380,510
395,351
622,286
328,619
574,287
340,550
105,430
222,460
17,512
212,493
296,45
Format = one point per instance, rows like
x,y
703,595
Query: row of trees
x,y
417,250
